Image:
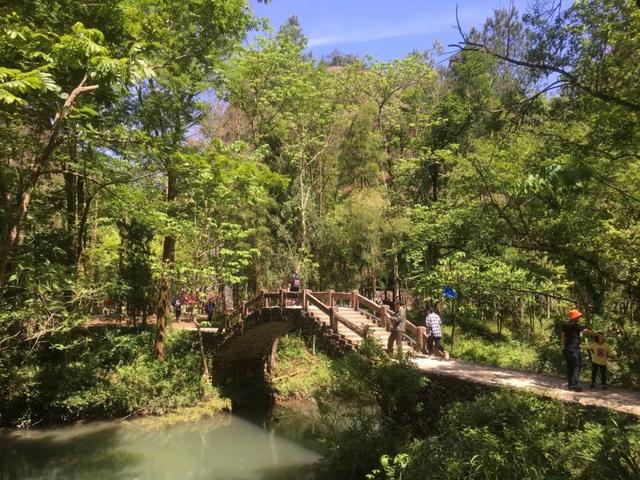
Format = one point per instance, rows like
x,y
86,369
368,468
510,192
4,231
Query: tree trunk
x,y
396,277
39,162
374,285
303,216
161,318
83,203
206,375
168,255
454,323
434,169
11,239
70,184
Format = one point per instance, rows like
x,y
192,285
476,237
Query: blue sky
x,y
383,28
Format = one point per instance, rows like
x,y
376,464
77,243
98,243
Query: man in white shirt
x,y
433,322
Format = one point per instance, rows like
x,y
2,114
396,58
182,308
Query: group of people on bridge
x,y
432,324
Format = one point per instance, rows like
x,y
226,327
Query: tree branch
x,y
468,46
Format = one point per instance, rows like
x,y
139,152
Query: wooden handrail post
x,y
421,339
384,316
283,303
244,309
330,298
263,299
305,300
333,321
354,299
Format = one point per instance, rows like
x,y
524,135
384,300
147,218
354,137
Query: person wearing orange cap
x,y
570,338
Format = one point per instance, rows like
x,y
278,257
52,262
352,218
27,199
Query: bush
x,y
353,452
509,435
298,373
103,373
505,354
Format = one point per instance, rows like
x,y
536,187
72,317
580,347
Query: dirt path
x,y
614,398
184,324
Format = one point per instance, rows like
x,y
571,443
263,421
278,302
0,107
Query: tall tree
x,y
186,41
54,75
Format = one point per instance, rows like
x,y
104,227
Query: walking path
x,y
614,398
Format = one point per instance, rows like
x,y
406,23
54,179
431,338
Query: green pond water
x,y
227,447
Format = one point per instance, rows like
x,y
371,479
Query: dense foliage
x,y
144,148
507,435
383,420
102,373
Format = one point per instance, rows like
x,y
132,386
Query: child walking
x,y
600,353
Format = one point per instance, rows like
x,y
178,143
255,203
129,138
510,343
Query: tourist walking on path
x,y
570,339
398,326
433,322
210,309
177,308
600,353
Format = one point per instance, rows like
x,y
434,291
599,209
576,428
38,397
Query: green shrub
x,y
509,435
505,354
298,373
103,373
354,451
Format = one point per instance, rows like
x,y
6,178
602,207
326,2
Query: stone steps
x,y
342,329
358,319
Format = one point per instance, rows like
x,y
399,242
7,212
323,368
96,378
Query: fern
x,y
14,84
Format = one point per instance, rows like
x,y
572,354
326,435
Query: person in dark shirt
x,y
398,327
294,282
177,308
570,339
210,308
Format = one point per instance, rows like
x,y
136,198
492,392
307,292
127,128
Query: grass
x,y
299,373
514,354
204,409
480,342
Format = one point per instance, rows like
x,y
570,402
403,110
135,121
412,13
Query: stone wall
x,y
303,323
444,390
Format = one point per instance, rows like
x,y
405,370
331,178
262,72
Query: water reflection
x,y
226,447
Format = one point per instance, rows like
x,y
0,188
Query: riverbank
x,y
105,372
487,433
348,417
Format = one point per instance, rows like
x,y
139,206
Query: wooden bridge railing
x,y
381,315
327,302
